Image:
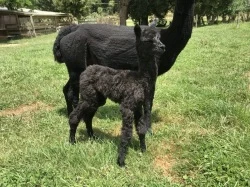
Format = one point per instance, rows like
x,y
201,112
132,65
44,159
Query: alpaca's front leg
x,y
141,128
126,134
148,104
145,121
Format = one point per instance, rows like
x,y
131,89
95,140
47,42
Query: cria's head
x,y
148,42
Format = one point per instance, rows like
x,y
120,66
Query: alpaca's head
x,y
148,43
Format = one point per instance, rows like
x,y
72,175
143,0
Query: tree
x,y
47,5
214,8
123,13
15,4
159,7
139,10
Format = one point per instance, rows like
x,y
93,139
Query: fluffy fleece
x,y
79,46
133,90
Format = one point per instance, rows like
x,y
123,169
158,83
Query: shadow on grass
x,y
63,112
111,112
101,137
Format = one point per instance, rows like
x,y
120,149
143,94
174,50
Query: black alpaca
x,y
133,90
81,45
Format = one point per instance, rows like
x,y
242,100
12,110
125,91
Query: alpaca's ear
x,y
137,30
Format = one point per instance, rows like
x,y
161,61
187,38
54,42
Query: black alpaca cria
x,y
79,46
133,90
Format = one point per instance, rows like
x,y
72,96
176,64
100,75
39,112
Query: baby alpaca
x,y
133,90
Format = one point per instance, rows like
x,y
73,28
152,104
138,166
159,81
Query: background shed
x,y
26,22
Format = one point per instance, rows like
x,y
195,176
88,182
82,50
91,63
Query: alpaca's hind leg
x,y
68,95
74,81
74,119
71,89
140,128
126,134
88,117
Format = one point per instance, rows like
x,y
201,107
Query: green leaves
x,y
15,4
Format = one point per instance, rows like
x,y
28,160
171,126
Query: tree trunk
x,y
123,14
224,18
144,20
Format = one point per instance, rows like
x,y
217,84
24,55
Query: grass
x,y
201,118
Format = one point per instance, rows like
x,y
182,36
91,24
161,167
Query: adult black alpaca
x,y
133,90
81,45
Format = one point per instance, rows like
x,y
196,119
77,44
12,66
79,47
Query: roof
x,y
29,12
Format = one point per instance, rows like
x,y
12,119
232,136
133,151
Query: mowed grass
x,y
201,118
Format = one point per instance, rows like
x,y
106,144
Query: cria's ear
x,y
137,30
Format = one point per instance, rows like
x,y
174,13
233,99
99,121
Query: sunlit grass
x,y
201,118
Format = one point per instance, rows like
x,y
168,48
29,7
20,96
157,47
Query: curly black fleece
x,y
133,90
79,46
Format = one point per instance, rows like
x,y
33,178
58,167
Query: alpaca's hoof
x,y
72,141
150,132
143,149
120,162
94,137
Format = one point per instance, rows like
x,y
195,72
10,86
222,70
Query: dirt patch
x,y
165,163
164,160
199,131
117,130
11,45
248,76
25,109
168,120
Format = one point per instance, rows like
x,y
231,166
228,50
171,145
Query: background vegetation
x,y
201,117
138,10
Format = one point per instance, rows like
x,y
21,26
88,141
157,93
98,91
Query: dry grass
x,y
23,109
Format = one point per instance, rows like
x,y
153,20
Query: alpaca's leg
x,y
126,134
71,89
75,87
140,128
99,100
68,95
88,117
75,116
152,93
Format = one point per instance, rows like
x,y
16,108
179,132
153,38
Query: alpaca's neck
x,y
148,68
183,17
177,35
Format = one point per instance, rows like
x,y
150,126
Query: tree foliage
x,y
215,8
139,10
15,4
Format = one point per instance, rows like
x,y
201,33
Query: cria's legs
x,y
140,128
74,119
126,134
88,117
96,101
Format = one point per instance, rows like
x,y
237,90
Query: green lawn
x,y
201,120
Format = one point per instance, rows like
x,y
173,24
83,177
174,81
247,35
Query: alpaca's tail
x,y
63,32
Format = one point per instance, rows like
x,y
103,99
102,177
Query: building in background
x,y
27,22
